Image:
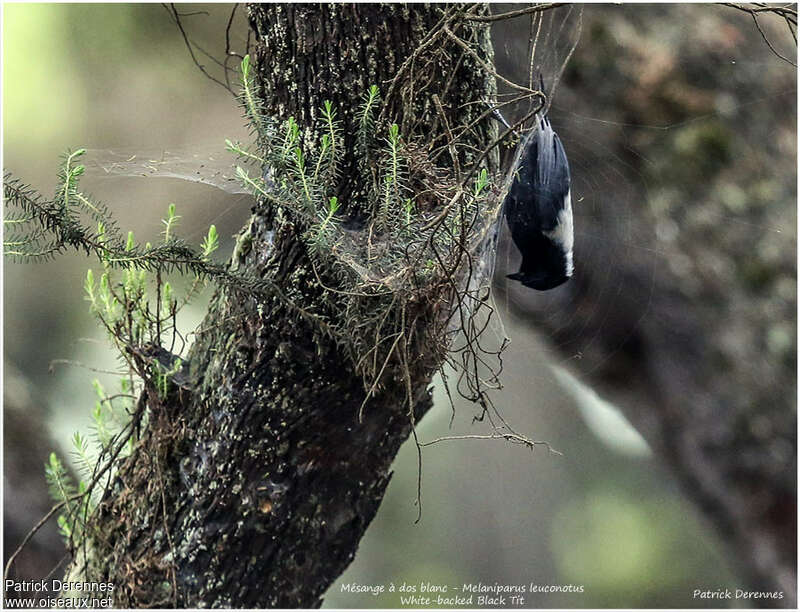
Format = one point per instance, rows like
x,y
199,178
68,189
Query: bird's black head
x,y
546,282
543,278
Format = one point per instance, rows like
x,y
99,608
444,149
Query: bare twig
x,y
537,8
483,63
510,437
786,12
453,155
769,44
504,135
176,17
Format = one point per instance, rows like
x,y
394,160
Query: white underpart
x,y
563,232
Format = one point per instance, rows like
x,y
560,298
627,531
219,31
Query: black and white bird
x,y
538,210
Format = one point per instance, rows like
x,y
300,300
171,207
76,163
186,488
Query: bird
x,y
538,210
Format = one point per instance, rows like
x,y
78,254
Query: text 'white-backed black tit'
x,y
538,210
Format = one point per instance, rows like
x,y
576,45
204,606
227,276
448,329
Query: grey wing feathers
x,y
552,173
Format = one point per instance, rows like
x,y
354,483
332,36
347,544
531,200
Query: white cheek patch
x,y
562,235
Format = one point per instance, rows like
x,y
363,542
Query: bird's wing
x,y
551,180
541,182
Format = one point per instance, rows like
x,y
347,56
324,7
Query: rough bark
x,y
254,482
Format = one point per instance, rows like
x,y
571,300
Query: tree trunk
x,y
253,484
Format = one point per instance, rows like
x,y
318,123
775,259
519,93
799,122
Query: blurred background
x,y
680,126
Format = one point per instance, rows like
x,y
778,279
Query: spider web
x,y
205,164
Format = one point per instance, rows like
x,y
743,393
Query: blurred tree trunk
x,y
687,335
253,487
26,448
735,460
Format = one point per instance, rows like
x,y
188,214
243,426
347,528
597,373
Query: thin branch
x,y
510,437
769,44
177,19
537,8
483,64
788,14
453,155
504,135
